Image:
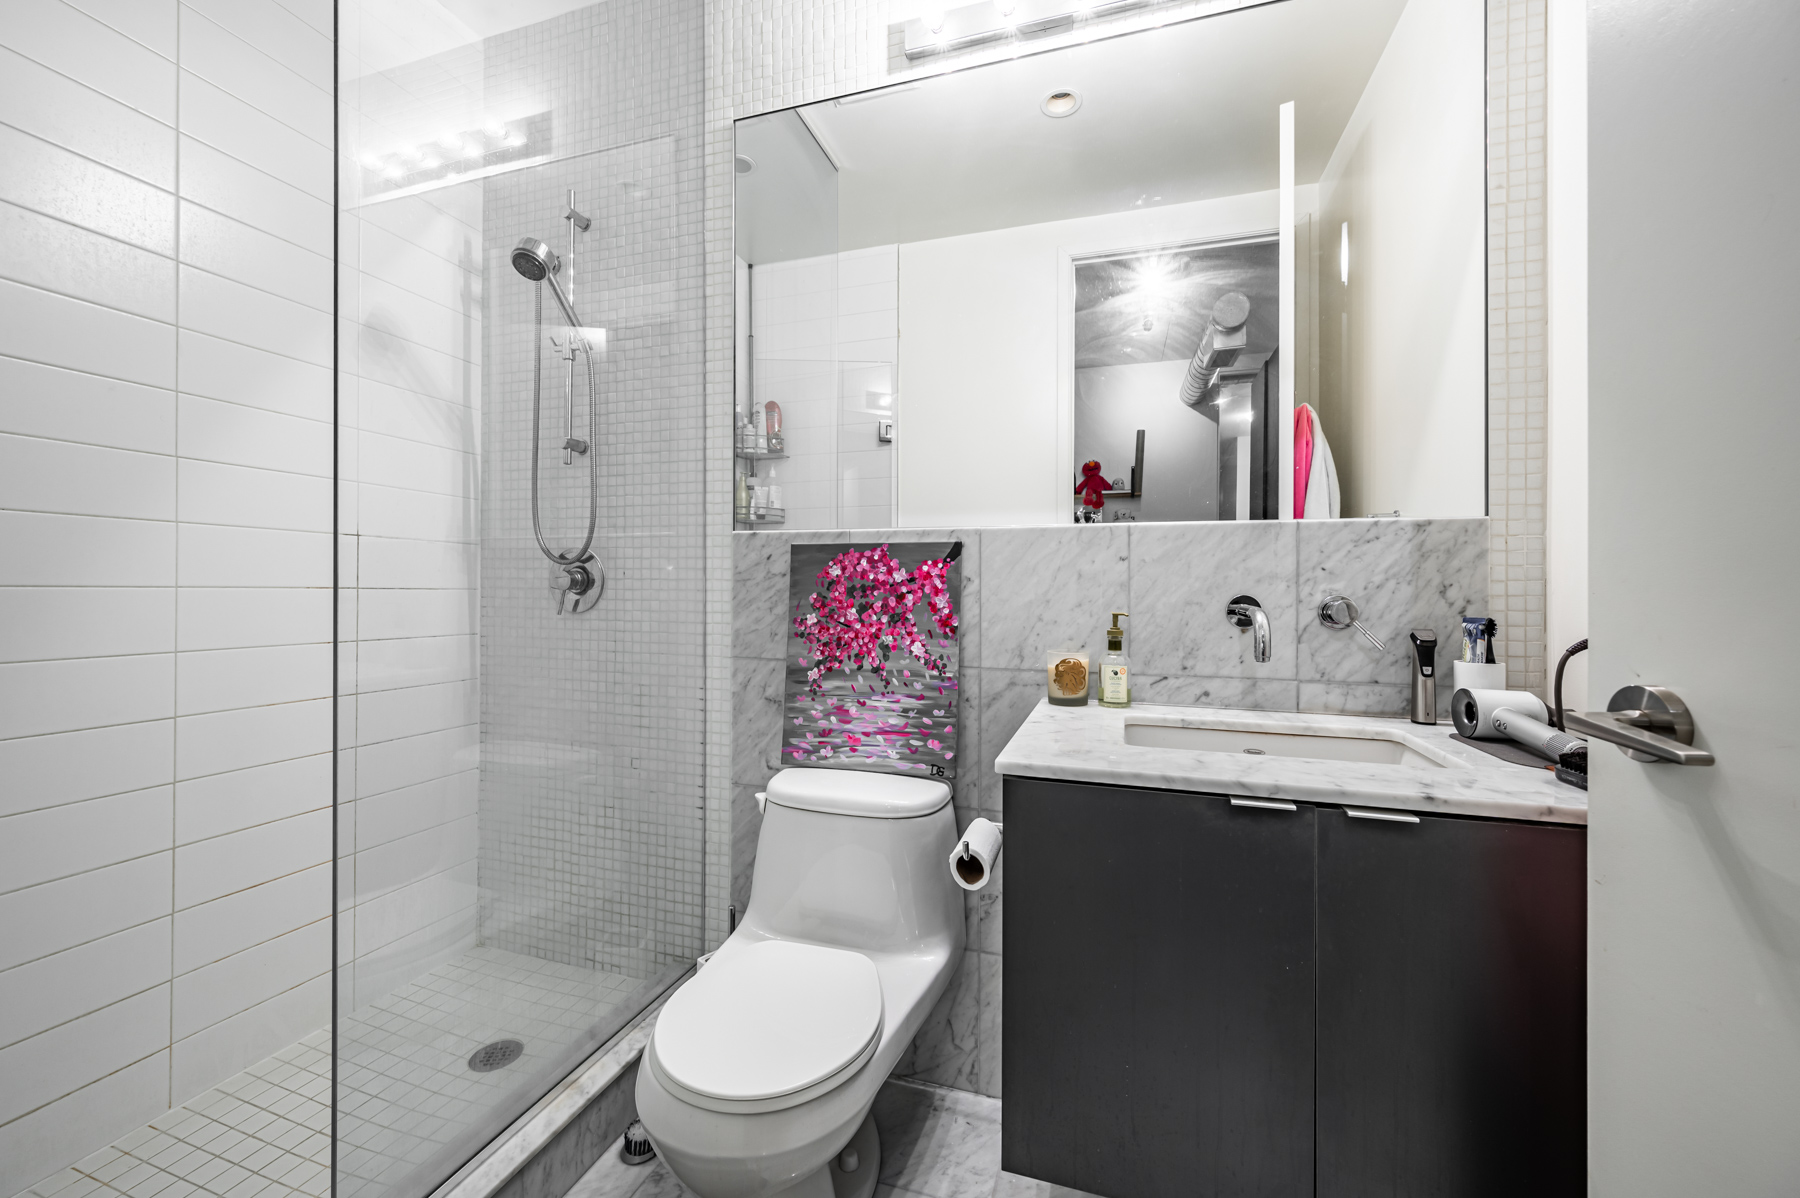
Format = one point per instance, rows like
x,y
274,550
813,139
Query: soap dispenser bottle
x,y
1115,667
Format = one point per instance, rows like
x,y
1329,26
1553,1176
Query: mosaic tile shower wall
x,y
1518,333
592,787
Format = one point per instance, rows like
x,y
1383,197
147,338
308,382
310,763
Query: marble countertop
x,y
1087,744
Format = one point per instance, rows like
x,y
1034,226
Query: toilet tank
x,y
858,859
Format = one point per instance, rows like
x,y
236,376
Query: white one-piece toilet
x,y
762,1069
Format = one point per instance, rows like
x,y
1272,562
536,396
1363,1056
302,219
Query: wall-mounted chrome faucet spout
x,y
1245,612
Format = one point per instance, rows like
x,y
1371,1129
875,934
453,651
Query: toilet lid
x,y
857,792
767,1019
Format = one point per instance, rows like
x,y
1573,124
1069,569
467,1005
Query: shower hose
x,y
565,560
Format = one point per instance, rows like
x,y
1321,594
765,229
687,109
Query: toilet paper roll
x,y
1473,710
972,860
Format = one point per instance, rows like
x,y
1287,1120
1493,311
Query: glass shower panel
x,y
519,814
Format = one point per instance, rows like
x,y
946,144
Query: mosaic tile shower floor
x,y
408,1089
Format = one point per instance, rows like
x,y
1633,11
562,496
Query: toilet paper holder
x,y
977,849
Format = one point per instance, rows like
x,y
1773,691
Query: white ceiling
x,y
790,210
1185,112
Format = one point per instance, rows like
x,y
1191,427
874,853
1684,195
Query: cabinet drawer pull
x,y
1265,804
1393,817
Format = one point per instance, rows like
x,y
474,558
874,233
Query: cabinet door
x,y
1452,1008
1157,1023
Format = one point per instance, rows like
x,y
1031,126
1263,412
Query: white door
x,y
1694,326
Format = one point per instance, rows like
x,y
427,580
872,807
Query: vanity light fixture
x,y
939,29
1061,103
489,147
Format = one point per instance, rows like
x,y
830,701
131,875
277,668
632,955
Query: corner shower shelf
x,y
758,455
760,515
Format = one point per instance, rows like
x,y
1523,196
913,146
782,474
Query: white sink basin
x,y
1375,746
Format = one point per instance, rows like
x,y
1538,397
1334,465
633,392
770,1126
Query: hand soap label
x,y
1115,689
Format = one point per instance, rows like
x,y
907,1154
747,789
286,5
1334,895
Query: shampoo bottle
x,y
1115,667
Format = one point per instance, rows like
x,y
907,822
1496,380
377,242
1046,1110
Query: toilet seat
x,y
768,1026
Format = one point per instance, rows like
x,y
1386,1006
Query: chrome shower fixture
x,y
576,579
535,260
539,263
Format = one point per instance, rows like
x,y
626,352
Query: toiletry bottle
x,y
1115,667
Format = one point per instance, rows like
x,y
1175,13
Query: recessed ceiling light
x,y
743,164
1061,103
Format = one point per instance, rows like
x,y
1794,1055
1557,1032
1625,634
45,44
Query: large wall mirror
x,y
1231,268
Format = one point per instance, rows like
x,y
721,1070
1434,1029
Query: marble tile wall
x,y
1028,591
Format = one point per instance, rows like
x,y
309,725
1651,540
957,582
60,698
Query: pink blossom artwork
x,y
873,659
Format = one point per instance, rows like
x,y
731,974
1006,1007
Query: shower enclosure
x,y
519,805
353,723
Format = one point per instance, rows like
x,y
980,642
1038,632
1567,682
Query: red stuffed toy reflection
x,y
1092,488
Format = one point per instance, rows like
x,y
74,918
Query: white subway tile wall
x,y
409,418
165,628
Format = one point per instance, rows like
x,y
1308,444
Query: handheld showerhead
x,y
535,260
539,263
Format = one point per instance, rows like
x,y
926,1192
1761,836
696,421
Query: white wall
x,y
1566,507
985,357
1181,445
165,528
1404,401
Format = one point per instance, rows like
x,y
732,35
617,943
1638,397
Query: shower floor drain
x,y
497,1055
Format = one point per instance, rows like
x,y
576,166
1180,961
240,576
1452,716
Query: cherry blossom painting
x,y
873,660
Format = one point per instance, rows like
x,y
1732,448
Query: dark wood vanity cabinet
x,y
1157,1006
1452,1008
1208,999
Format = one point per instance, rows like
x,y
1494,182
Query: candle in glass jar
x,y
1068,677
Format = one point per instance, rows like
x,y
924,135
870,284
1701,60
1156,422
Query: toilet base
x,y
866,1144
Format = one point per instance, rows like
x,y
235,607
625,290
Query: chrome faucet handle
x,y
577,585
1338,613
1245,612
